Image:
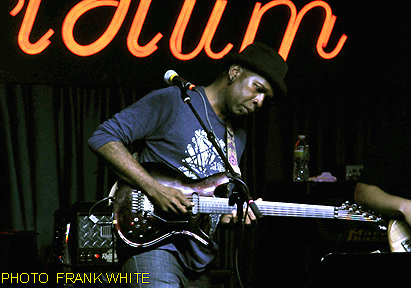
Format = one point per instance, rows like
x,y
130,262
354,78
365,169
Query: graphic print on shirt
x,y
203,159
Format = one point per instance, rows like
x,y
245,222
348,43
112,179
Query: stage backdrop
x,y
67,66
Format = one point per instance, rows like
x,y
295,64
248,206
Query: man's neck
x,y
213,95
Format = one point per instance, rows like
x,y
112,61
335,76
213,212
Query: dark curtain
x,y
46,162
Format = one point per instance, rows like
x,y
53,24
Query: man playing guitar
x,y
171,135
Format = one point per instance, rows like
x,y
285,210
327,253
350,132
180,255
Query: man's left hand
x,y
249,218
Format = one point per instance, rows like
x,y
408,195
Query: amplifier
x,y
94,242
80,240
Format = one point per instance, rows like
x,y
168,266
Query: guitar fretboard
x,y
221,205
211,205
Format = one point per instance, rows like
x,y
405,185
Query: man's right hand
x,y
169,200
166,199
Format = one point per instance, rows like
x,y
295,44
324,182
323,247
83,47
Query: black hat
x,y
262,60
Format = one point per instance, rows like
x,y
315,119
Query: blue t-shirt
x,y
172,135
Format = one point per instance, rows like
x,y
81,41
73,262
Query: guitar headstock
x,y
354,212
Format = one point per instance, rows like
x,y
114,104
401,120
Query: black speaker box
x,y
90,241
362,270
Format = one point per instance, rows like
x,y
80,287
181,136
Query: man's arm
x,y
119,159
374,198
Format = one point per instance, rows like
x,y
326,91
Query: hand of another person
x,y
406,211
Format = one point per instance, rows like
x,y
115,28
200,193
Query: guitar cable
x,y
93,218
240,245
96,221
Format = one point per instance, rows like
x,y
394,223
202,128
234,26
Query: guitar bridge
x,y
140,203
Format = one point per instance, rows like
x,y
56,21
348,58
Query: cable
x,y
240,245
206,113
93,218
237,270
96,221
246,190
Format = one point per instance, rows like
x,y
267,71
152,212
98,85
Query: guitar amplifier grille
x,y
95,240
93,235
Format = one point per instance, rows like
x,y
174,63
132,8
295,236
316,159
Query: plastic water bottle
x,y
301,158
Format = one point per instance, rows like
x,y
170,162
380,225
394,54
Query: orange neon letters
x,y
98,45
293,25
17,8
176,38
255,19
27,25
324,35
135,30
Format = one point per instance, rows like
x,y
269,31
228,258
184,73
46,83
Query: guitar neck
x,y
221,205
297,210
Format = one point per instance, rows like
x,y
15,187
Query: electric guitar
x,y
138,223
399,236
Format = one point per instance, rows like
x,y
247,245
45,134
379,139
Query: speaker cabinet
x,y
362,270
81,240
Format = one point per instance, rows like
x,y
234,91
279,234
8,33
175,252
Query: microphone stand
x,y
235,197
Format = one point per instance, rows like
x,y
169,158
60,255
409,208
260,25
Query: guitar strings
x,y
221,205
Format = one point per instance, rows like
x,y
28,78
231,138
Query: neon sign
x,y
176,38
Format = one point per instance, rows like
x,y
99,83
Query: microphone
x,y
171,78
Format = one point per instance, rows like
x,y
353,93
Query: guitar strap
x,y
232,158
231,151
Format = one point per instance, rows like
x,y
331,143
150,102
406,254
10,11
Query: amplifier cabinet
x,y
81,242
94,242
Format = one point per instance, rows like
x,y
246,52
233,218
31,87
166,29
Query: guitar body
x,y
139,224
399,236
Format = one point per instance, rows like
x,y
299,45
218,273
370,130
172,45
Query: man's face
x,y
247,92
